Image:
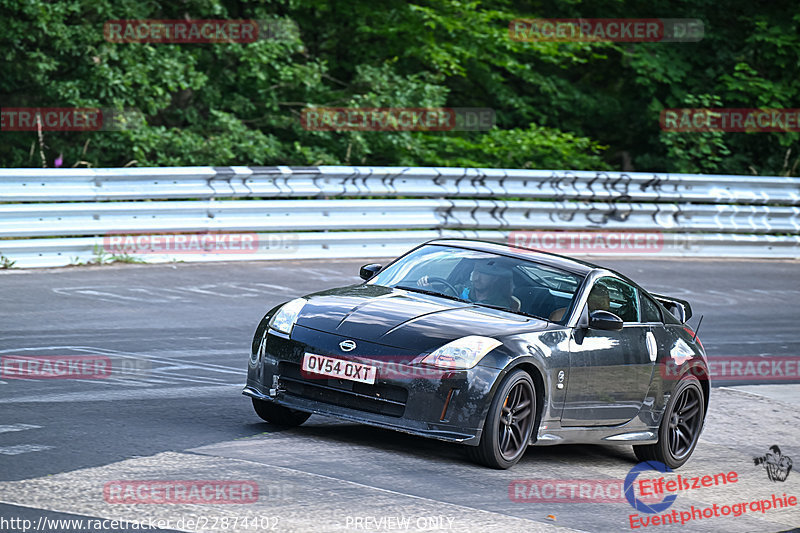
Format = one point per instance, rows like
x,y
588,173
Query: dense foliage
x,y
558,105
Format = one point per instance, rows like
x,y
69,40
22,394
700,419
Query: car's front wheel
x,y
509,423
680,428
278,414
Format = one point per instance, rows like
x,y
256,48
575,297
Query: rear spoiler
x,y
680,308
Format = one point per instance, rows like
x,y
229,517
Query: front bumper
x,y
444,405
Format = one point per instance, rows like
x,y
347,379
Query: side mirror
x,y
368,271
604,320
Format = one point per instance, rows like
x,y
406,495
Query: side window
x,y
616,296
650,310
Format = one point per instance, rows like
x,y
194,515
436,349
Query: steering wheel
x,y
442,281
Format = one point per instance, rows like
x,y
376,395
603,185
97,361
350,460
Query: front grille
x,y
380,399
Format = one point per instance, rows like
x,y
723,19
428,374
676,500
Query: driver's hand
x,y
423,282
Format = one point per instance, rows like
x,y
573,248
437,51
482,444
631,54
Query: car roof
x,y
569,264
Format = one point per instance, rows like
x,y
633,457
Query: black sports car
x,y
493,347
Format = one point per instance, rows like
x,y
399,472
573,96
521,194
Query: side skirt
x,y
633,432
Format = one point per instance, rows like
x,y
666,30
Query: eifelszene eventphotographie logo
x,y
775,463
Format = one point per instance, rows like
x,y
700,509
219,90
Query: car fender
x,y
675,366
522,353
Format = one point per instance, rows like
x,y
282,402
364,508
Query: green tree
x,y
557,105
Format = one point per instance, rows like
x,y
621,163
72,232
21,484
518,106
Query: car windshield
x,y
497,281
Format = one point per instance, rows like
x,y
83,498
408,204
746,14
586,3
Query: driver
x,y
490,283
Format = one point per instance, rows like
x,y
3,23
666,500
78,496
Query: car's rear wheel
x,y
509,424
278,414
680,428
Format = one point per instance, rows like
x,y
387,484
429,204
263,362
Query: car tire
x,y
680,427
508,428
278,414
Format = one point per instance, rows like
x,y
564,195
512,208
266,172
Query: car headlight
x,y
461,353
286,316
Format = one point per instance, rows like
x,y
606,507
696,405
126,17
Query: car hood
x,y
404,319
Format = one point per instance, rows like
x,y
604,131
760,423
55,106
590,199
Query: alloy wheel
x,y
684,423
515,420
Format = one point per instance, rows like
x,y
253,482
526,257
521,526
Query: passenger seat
x,y
537,301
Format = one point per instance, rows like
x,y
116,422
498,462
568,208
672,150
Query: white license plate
x,y
338,368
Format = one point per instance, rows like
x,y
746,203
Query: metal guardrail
x,y
54,217
374,244
92,218
37,185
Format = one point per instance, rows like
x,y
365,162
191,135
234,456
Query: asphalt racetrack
x,y
178,338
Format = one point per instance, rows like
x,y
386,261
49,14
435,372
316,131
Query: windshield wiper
x,y
432,293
